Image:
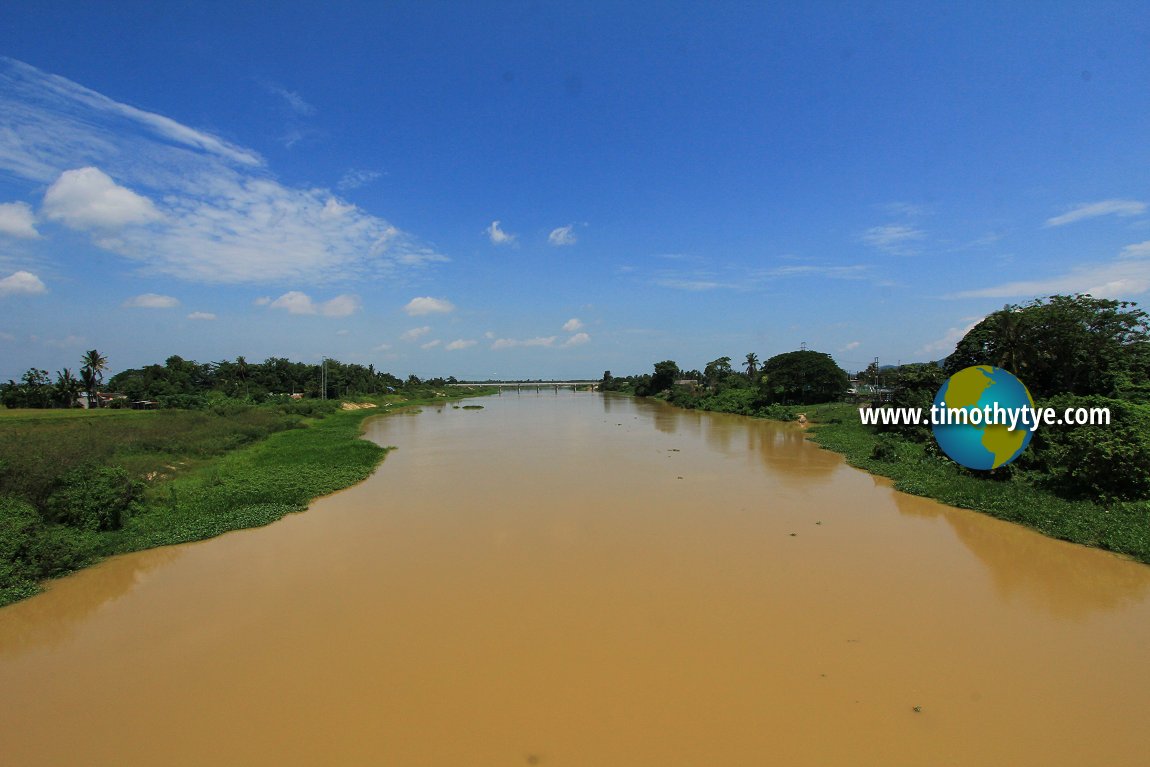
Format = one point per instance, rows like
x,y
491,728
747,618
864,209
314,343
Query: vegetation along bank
x,y
79,485
1086,484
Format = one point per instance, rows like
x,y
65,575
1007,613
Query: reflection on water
x,y
1063,578
46,621
577,579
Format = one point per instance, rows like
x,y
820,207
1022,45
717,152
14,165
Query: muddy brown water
x,y
573,579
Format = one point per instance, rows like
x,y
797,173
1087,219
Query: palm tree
x,y
92,373
242,372
752,363
67,388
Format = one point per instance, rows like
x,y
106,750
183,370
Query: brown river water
x,y
573,579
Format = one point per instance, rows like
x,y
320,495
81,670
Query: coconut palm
x,y
752,363
67,388
92,374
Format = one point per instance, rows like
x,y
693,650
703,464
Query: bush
x,y
94,499
1109,463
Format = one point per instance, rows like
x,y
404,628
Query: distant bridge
x,y
537,385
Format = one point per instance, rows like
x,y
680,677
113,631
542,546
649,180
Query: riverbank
x,y
188,476
1015,495
1121,527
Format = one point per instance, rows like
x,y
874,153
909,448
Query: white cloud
x,y
294,101
382,347
87,197
355,178
1126,276
893,238
1094,209
431,344
511,343
262,301
578,340
498,236
21,282
418,307
458,344
944,346
415,333
847,272
217,214
152,301
201,316
850,347
689,284
297,302
340,306
16,220
564,235
573,324
7,337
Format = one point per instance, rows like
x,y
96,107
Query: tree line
x,y
801,377
189,384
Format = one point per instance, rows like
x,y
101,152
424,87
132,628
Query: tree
x,y
37,388
752,366
716,371
67,388
92,374
665,374
803,377
1062,345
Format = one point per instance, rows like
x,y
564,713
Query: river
x,y
580,579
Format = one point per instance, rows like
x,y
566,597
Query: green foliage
x,y
68,479
1020,495
664,378
803,377
1107,463
1063,345
94,498
30,550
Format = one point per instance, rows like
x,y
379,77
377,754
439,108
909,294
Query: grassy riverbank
x,y
77,486
1017,495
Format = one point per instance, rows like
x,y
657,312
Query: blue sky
x,y
555,189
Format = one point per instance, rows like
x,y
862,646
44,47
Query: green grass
x,y
194,475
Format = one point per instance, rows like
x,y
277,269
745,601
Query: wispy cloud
x,y
511,343
297,302
17,220
460,343
897,239
207,316
293,100
573,324
698,285
498,236
431,344
1125,276
829,271
417,307
1095,209
850,347
21,282
564,235
415,333
220,215
578,340
355,178
151,301
944,346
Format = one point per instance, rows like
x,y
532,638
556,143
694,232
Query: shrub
x,y
94,499
1109,463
